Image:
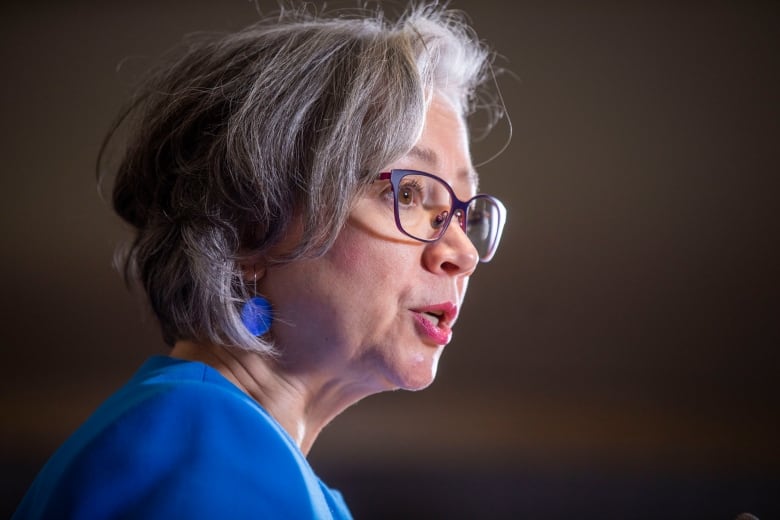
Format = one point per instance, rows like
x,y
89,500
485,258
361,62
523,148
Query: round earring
x,y
257,313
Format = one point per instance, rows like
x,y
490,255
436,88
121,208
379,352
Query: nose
x,y
452,254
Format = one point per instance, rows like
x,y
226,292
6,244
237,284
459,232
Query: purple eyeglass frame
x,y
458,206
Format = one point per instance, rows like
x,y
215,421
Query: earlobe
x,y
252,272
256,313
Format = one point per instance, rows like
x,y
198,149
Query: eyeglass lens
x,y
424,206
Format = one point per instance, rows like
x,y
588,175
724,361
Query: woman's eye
x,y
409,194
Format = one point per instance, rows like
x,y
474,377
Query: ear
x,y
252,271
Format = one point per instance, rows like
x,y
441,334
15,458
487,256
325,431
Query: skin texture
x,y
346,324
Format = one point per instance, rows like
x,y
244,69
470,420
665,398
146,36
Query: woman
x,y
306,223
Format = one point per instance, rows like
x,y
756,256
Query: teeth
x,y
433,318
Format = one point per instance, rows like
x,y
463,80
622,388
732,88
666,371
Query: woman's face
x,y
376,311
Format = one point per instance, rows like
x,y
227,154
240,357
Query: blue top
x,y
179,441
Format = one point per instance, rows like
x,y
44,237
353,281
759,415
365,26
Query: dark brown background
x,y
617,359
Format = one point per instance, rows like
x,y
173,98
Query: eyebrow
x,y
430,157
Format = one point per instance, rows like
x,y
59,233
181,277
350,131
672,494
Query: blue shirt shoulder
x,y
179,441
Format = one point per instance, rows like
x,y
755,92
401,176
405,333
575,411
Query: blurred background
x,y
616,360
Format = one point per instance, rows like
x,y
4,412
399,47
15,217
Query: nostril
x,y
450,268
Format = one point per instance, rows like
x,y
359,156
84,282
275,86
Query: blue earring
x,y
257,313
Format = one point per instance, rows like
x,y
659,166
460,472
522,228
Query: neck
x,y
303,402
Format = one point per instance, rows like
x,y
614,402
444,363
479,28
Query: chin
x,y
420,371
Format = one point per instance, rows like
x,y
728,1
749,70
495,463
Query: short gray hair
x,y
290,118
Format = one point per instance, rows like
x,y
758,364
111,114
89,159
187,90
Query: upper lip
x,y
446,311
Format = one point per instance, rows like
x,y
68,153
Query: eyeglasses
x,y
424,205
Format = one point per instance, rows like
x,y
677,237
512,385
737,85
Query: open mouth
x,y
440,315
432,326
433,317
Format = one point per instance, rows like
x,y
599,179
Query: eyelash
x,y
411,185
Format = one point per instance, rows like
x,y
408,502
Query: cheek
x,y
372,277
362,259
347,254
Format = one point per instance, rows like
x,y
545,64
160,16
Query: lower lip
x,y
431,332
